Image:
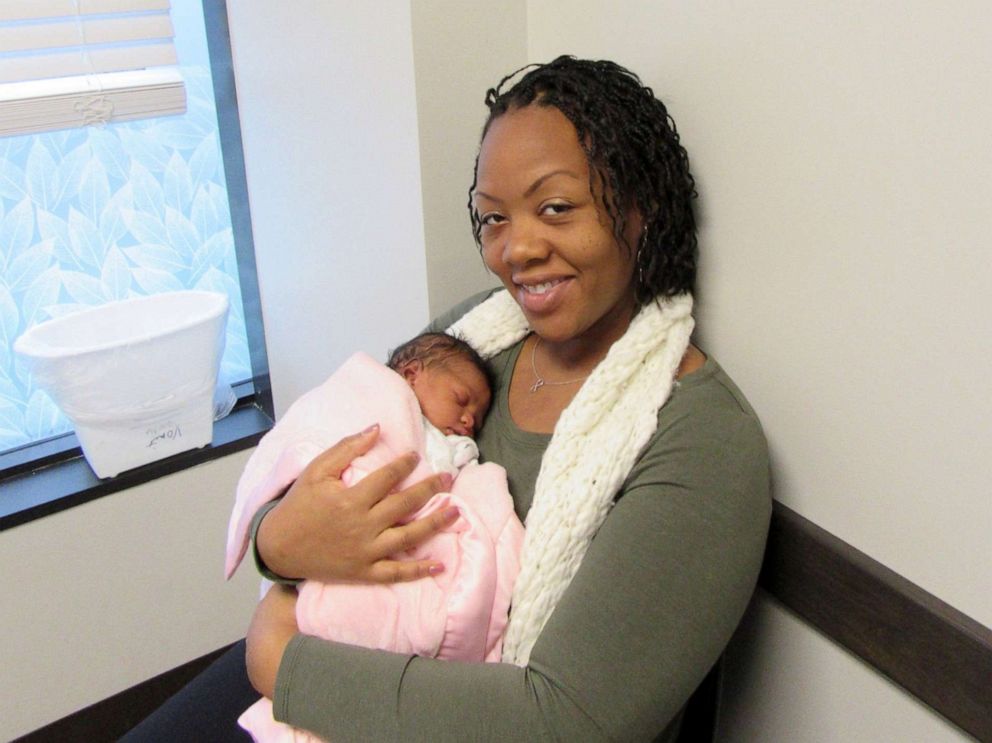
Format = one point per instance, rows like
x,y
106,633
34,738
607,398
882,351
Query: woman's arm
x,y
654,603
272,627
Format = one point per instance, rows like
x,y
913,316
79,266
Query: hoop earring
x,y
639,258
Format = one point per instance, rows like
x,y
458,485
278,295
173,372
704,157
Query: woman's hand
x,y
323,530
272,627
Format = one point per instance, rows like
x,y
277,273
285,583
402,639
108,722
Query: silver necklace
x,y
541,381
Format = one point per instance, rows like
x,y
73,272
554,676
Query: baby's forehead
x,y
462,367
459,374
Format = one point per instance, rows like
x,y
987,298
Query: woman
x,y
647,508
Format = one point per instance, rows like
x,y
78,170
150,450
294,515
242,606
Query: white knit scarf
x,y
598,438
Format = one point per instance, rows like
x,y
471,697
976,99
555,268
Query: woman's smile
x,y
541,295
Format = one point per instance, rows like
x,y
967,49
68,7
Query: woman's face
x,y
546,235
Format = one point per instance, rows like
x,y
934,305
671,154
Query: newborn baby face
x,y
453,394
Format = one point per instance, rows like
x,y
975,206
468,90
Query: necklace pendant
x,y
537,385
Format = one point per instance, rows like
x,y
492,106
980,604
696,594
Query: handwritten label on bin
x,y
166,433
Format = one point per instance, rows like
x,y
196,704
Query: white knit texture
x,y
598,438
490,327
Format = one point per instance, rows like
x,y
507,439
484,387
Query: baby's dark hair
x,y
437,348
633,149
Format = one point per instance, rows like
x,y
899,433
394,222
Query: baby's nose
x,y
468,421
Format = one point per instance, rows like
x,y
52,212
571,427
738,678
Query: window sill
x,y
63,480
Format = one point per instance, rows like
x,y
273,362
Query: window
x,y
94,214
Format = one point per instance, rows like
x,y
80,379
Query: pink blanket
x,y
459,614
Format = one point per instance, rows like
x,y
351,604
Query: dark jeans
x,y
206,709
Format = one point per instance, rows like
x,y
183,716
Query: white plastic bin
x,y
135,377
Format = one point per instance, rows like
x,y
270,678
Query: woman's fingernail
x,y
436,569
446,480
414,456
451,513
370,429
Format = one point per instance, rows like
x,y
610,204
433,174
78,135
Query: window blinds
x,y
68,63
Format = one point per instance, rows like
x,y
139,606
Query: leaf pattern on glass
x,y
85,240
55,229
209,212
10,317
147,192
144,150
211,253
42,418
43,291
112,224
94,189
108,151
182,235
205,161
16,230
115,275
69,175
40,174
83,288
154,281
157,257
26,267
178,185
11,180
145,227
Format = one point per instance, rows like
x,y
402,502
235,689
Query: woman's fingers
x,y
393,508
405,537
330,463
381,482
395,571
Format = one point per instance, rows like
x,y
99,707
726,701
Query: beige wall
x,y
107,594
787,683
844,170
329,118
460,51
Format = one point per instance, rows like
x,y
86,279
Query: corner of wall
x,y
451,80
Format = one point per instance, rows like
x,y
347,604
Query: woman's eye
x,y
555,209
490,218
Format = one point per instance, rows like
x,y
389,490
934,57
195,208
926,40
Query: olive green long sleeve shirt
x,y
655,601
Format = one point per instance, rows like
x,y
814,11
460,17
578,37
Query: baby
x,y
452,385
430,398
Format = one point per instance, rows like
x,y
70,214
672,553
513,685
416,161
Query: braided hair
x,y
438,349
632,147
